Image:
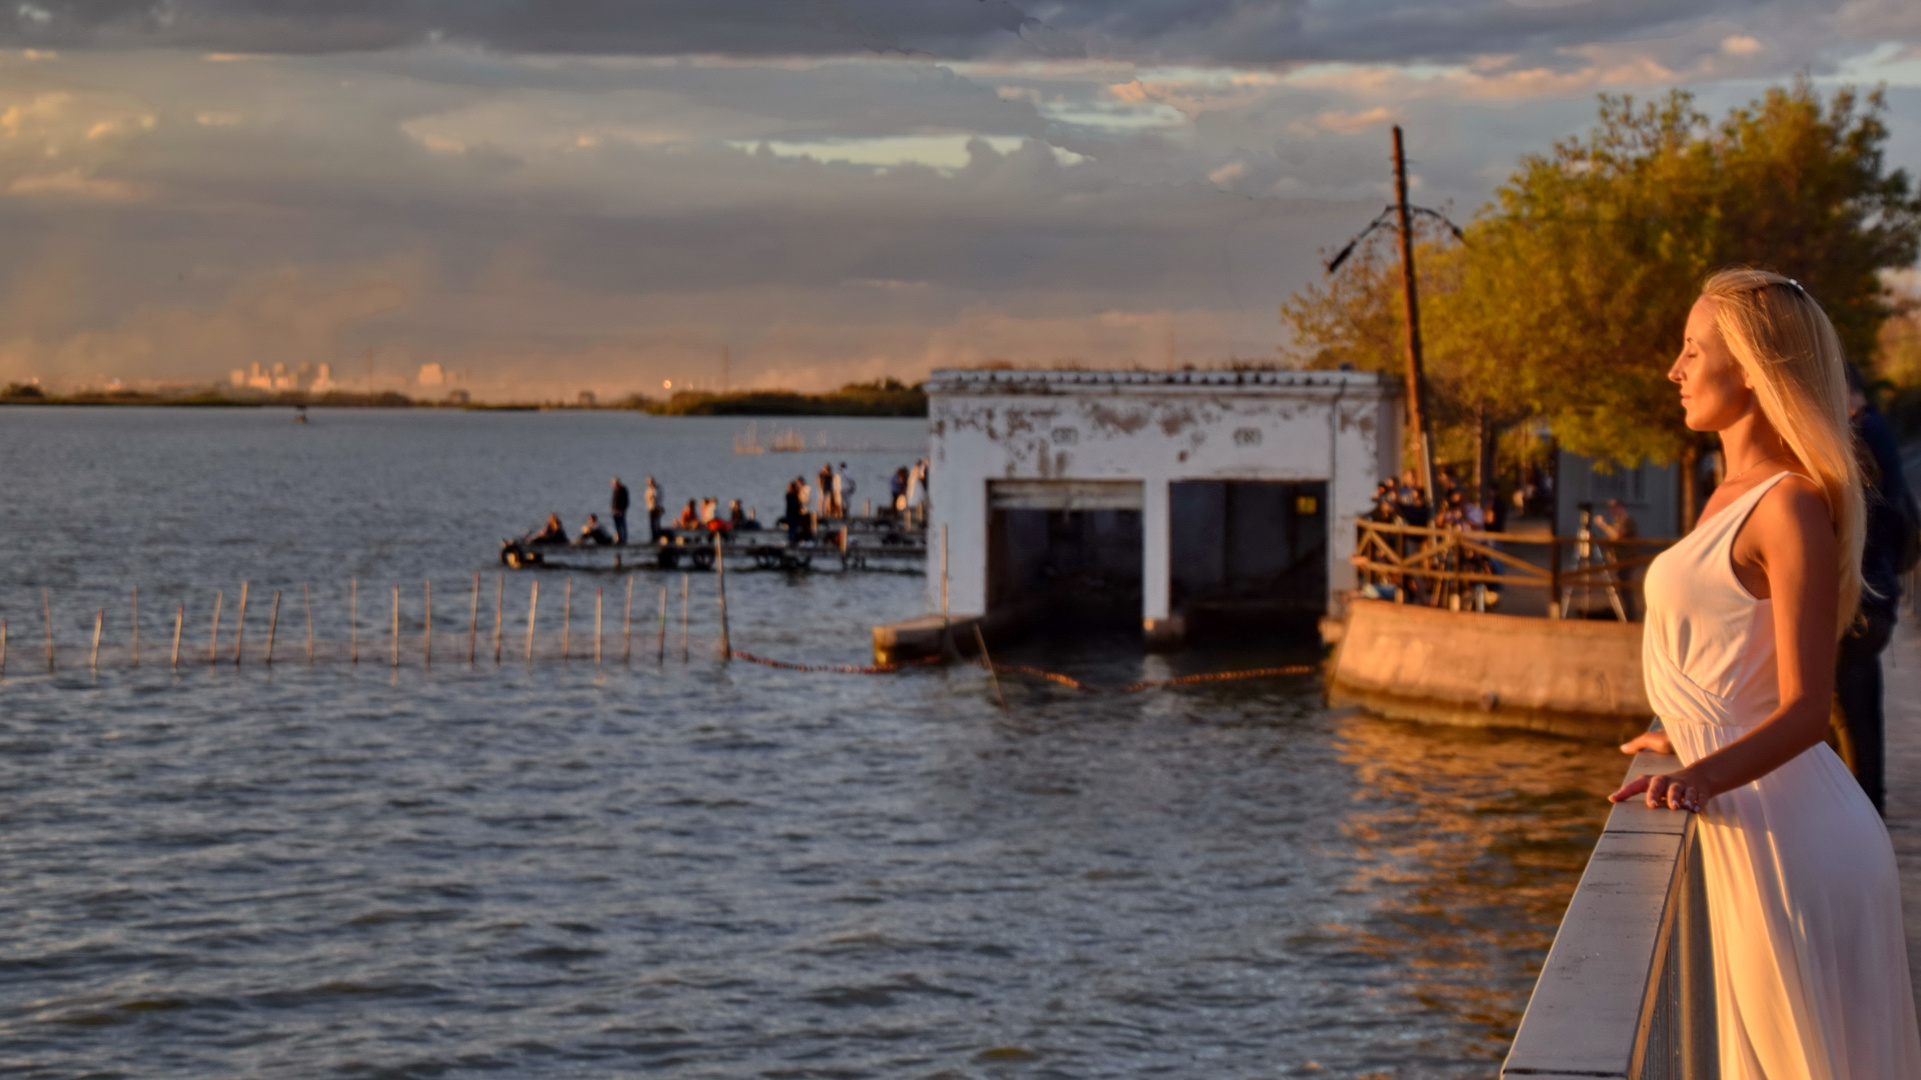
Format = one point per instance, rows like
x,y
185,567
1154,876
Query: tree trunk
x,y
1690,462
1484,434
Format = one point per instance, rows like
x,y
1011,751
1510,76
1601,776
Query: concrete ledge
x,y
1164,635
1566,677
929,635
1599,1008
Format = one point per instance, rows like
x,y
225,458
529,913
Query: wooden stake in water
x,y
46,608
597,591
273,624
473,622
533,612
3,646
99,618
179,622
662,658
427,626
500,595
683,618
567,622
353,619
394,636
627,625
240,625
136,626
720,590
988,662
213,639
306,600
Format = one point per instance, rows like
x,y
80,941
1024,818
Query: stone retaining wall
x,y
1570,677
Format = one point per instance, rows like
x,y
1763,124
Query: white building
x,y
1193,496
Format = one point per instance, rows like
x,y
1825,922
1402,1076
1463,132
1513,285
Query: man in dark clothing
x,y
1891,518
791,513
620,511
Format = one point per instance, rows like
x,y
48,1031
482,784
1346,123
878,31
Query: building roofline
x,y
1051,380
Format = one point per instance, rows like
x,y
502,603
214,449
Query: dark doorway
x,y
1249,555
1065,551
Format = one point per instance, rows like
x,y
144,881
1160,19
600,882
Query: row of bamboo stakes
x,y
427,634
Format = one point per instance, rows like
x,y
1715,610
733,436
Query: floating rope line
x,y
1040,673
1224,676
838,669
1155,684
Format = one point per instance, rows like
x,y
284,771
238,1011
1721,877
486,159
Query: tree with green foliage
x,y
1567,299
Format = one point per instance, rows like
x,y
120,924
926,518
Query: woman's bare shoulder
x,y
1795,511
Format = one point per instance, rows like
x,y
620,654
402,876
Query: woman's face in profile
x,y
1714,390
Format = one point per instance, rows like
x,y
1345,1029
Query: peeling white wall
x,y
1156,427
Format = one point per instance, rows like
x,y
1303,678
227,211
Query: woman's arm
x,y
1786,551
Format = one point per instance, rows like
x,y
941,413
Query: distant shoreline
x,y
881,399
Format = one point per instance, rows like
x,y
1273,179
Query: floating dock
x,y
844,547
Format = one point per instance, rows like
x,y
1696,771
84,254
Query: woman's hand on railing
x,y
1675,791
1655,742
1671,791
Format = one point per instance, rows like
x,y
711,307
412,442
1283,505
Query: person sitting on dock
x,y
738,519
689,518
551,533
594,532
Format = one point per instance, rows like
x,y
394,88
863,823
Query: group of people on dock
x,y
1606,535
699,515
805,507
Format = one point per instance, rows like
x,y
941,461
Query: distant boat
x,y
790,442
748,442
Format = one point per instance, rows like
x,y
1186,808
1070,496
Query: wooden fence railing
x,y
1446,563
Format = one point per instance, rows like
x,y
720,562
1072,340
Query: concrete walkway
x,y
1902,665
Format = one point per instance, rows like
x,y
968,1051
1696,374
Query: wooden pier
x,y
840,547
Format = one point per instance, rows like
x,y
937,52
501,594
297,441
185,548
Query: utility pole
x,y
726,356
1419,422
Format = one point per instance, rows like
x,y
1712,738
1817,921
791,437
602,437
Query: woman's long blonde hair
x,y
1789,349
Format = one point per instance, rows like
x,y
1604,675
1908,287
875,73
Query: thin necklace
x,y
1749,469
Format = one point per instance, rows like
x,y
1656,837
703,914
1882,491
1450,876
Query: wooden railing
x,y
1440,566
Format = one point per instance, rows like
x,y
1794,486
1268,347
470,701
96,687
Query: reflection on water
x,y
1472,842
687,869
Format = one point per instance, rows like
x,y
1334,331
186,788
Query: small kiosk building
x,y
1188,499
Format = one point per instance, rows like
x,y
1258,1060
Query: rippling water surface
x,y
560,869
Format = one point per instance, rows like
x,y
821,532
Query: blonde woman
x,y
1810,959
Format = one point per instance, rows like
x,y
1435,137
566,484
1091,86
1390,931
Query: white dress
x,y
1810,959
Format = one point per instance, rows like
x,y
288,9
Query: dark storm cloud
x,y
646,27
1231,31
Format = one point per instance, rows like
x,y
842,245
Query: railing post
x,y
1554,610
1698,1056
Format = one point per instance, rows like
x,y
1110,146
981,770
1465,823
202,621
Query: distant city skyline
x,y
550,199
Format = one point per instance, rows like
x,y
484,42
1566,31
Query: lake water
x,y
686,869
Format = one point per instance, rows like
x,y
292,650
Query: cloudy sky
x,y
554,195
